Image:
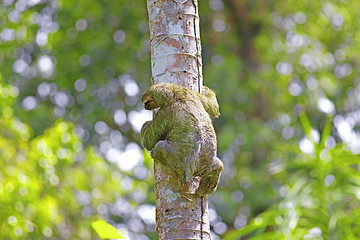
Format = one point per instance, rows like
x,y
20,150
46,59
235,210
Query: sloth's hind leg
x,y
210,179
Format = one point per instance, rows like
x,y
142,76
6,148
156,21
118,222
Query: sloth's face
x,y
149,102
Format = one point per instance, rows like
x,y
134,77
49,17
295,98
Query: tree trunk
x,y
176,58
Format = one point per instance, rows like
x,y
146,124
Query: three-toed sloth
x,y
181,135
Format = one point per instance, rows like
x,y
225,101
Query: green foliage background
x,y
286,76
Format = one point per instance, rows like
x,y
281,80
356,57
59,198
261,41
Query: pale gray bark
x,y
175,42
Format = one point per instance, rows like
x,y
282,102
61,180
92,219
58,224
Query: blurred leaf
x,y
268,236
305,124
264,220
105,230
326,131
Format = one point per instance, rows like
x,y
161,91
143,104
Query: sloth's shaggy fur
x,y
181,135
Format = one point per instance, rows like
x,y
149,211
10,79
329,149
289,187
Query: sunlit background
x,y
286,74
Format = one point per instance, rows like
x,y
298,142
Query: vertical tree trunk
x,y
176,58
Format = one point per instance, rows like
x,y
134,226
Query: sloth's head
x,y
149,102
160,95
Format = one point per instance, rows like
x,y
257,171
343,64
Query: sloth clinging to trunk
x,y
181,135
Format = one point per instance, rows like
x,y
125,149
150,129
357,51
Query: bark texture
x,y
175,42
176,58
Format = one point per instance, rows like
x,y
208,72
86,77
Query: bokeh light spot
x,y
119,36
43,89
101,127
85,60
284,68
29,103
300,17
329,179
312,83
14,16
80,85
8,34
326,106
306,146
147,213
41,38
216,5
120,117
131,89
295,88
219,25
81,24
220,228
217,60
46,65
47,232
137,119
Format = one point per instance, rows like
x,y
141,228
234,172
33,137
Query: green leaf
x,y
326,131
268,236
266,219
305,124
105,230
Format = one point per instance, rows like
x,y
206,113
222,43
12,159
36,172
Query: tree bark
x,y
176,58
